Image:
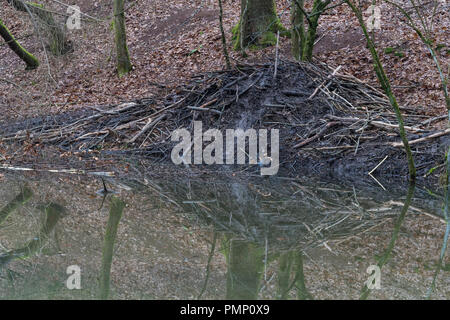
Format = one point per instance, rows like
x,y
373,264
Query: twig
x,y
318,135
151,123
276,56
320,86
370,173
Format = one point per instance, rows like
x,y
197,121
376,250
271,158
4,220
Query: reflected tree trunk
x,y
284,273
23,197
447,229
302,292
208,265
115,214
245,267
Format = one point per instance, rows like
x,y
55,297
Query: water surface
x,y
218,239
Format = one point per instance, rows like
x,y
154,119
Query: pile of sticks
x,y
355,112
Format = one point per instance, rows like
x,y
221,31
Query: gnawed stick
x,y
150,124
317,136
375,123
430,137
321,85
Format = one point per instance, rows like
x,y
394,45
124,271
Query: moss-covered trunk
x,y
28,58
303,38
298,28
258,25
120,38
57,39
284,273
302,292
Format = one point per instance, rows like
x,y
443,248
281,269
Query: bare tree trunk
x,y
28,58
123,57
57,39
258,25
224,39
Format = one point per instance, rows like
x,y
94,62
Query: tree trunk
x,y
57,40
23,197
303,38
302,292
53,213
258,25
28,58
298,28
123,57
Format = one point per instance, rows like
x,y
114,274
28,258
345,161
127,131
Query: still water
x,y
73,237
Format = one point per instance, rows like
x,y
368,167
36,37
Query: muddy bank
x,y
328,124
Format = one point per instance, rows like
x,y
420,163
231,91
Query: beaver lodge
x,y
329,124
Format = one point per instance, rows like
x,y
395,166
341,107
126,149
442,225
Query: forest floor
x,y
171,42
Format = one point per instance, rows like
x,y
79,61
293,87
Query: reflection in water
x,y
268,238
208,266
115,213
22,198
387,254
292,262
244,269
53,213
447,229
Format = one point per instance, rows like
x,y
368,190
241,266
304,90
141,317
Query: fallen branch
x,y
430,137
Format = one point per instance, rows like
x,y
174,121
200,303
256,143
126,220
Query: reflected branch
x,y
23,197
53,213
387,254
447,229
208,266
